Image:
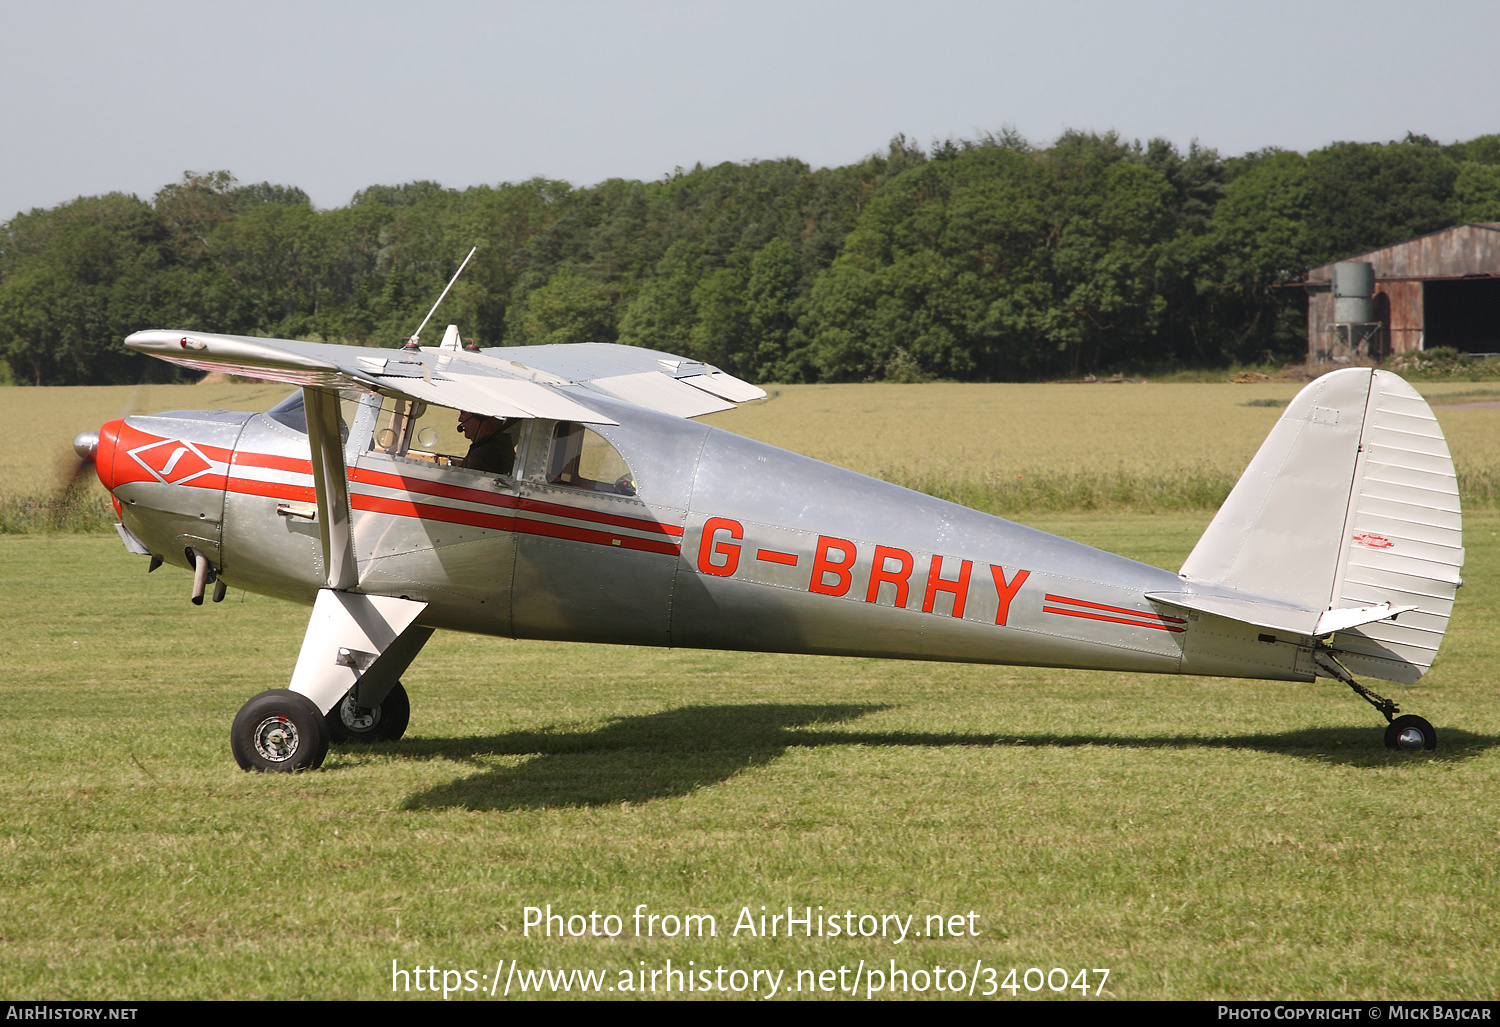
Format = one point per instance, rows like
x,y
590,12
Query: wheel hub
x,y
356,718
276,739
1410,739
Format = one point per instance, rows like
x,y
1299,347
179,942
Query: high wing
x,y
644,377
554,382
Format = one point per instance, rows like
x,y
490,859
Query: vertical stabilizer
x,y
1351,502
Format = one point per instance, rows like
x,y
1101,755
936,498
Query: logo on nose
x,y
171,461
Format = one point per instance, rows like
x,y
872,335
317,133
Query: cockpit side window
x,y
413,430
581,459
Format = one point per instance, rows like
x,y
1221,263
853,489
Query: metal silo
x,y
1355,328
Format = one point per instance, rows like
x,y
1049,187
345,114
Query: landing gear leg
x,y
353,655
1407,733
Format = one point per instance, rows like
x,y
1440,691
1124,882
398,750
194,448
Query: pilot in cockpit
x,y
491,447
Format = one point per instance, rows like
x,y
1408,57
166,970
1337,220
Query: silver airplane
x,y
613,517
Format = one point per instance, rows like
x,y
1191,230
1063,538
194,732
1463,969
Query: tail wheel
x,y
385,722
1410,734
279,730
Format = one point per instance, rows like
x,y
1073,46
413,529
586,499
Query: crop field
x,y
1004,449
1009,449
1197,837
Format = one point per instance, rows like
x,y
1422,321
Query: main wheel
x,y
1411,734
279,730
384,722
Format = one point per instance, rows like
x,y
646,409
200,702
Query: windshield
x,y
292,411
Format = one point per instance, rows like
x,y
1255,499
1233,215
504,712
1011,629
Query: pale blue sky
x,y
333,97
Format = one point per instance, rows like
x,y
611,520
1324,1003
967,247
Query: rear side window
x,y
582,459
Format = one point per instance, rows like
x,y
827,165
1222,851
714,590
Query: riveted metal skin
x,y
787,503
168,474
524,558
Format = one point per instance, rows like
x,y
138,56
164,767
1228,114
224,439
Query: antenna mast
x,y
413,343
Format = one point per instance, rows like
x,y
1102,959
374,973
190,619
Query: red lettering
x,y
1007,592
879,575
728,550
958,588
823,566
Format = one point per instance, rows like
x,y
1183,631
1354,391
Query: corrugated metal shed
x,y
1441,289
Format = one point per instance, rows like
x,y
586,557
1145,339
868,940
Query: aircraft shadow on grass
x,y
675,752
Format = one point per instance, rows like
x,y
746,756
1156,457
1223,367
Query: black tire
x,y
384,722
281,731
1410,734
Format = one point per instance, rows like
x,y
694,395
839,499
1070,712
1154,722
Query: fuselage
x,y
719,542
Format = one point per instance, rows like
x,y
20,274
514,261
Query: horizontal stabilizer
x,y
1265,613
1262,613
1343,620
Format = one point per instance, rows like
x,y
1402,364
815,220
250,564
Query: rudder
x,y
1350,502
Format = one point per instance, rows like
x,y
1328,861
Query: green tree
x,y
1368,195
997,261
1476,192
773,308
568,308
1258,240
73,281
662,315
719,329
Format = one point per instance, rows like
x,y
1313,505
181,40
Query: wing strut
x,y
331,481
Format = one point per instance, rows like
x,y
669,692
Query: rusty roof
x,y
1468,250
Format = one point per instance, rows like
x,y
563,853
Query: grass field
x,y
1199,837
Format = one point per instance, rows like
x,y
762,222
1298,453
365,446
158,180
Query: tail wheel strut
x,y
1407,733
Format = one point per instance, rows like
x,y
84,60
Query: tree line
x,y
976,260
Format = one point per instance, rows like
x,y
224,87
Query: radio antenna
x,y
413,343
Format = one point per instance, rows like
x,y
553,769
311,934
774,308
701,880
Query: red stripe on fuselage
x,y
134,438
1113,609
1135,618
1114,620
509,522
275,463
271,489
384,479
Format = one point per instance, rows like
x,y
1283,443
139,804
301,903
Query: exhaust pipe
x,y
200,575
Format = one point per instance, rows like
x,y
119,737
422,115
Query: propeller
x,y
72,485
73,478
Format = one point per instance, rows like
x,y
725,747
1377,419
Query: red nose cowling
x,y
104,456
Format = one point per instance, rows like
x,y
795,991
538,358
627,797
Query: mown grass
x,y
1203,838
